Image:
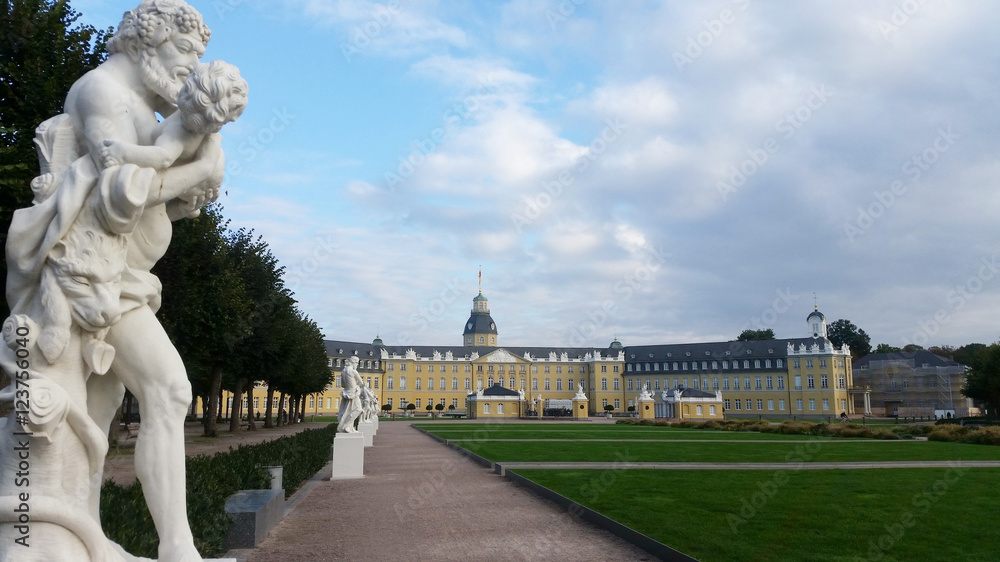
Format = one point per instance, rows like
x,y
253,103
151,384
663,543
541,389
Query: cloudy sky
x,y
659,172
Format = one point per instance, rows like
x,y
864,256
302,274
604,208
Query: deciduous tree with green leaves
x,y
756,335
206,307
844,331
983,383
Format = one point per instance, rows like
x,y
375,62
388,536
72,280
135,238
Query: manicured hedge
x,y
210,482
797,428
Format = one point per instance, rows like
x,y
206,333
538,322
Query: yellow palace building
x,y
804,377
801,377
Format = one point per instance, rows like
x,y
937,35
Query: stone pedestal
x,y
580,408
368,430
646,410
348,456
375,423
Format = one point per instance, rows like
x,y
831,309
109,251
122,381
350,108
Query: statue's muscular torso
x,y
104,106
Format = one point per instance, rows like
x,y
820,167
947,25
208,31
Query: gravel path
x,y
422,500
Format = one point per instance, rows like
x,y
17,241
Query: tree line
x,y
224,304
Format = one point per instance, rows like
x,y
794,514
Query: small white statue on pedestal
x,y
350,396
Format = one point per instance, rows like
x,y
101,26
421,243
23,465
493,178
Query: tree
x,y
608,407
983,382
386,408
844,331
205,307
886,348
42,52
945,351
258,351
756,335
966,355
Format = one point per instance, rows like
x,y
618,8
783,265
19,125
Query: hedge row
x,y
797,428
965,434
211,480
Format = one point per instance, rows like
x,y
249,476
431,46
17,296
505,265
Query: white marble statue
x,y
369,405
81,291
350,397
645,395
579,393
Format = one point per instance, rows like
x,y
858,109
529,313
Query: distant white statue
x,y
350,397
81,292
579,393
369,405
645,395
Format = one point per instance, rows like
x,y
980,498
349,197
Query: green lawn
x,y
749,451
827,516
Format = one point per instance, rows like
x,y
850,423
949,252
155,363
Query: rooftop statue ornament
x,y
83,298
645,394
351,407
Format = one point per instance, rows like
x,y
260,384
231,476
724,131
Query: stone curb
x,y
241,554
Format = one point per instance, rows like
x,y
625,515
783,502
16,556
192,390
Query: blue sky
x,y
658,172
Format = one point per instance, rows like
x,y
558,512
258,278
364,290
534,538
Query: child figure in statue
x,y
213,95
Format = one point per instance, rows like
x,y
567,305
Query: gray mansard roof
x,y
914,359
480,323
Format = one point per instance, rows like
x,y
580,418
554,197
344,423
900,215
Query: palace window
x,y
430,383
823,382
534,384
812,404
454,383
604,384
548,386
402,383
810,381
388,383
417,382
558,384
770,382
468,383
757,383
781,405
628,384
770,405
798,404
779,363
826,404
798,383
617,384
725,404
760,404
